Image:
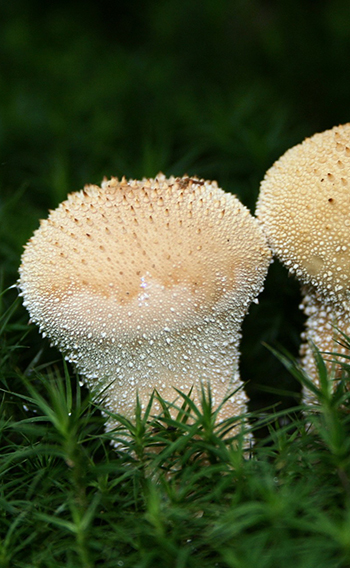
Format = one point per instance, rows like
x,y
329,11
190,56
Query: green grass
x,y
218,89
178,494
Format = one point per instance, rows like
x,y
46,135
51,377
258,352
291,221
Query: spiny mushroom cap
x,y
304,207
131,280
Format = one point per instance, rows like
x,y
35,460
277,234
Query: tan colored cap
x,y
304,208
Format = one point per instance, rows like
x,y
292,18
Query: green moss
x,y
218,89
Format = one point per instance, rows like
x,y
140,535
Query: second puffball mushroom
x,y
304,209
143,285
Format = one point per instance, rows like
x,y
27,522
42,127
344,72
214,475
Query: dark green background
x,y
215,88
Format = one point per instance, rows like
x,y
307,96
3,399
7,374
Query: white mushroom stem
x,y
196,347
143,285
324,328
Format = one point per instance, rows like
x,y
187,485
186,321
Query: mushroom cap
x,y
134,279
304,208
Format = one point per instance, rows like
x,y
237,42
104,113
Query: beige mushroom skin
x,y
143,285
324,327
304,209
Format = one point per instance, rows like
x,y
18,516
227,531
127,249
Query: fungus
x,y
304,209
143,285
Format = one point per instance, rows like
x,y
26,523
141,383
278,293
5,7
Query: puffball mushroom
x,y
143,285
304,209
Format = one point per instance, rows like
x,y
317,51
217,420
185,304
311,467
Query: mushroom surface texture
x,y
143,285
304,209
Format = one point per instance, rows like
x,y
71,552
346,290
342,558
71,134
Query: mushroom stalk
x,y
143,285
325,326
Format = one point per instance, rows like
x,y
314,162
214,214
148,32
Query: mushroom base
x,y
186,361
324,328
234,406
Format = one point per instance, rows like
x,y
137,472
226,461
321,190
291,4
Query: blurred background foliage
x,y
219,89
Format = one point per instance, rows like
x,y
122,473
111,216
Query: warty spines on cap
x,y
304,208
